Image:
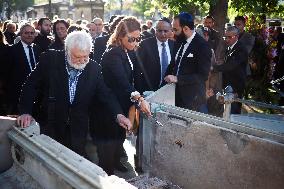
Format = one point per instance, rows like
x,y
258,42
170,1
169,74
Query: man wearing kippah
x,y
190,66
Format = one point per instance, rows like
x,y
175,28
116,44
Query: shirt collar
x,y
188,40
26,45
160,43
232,46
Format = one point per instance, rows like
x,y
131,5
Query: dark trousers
x,y
109,154
236,108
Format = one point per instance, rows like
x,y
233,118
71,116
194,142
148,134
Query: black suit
x,y
42,42
100,45
193,72
149,67
67,123
234,71
3,78
118,77
18,70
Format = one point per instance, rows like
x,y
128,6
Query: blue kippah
x,y
186,16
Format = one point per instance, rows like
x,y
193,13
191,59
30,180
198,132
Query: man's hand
x,y
209,93
171,79
124,122
24,120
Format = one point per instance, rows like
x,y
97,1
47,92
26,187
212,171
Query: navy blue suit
x,y
148,77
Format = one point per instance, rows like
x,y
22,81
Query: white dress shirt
x,y
26,48
188,41
160,47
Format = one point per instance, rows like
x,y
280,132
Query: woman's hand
x,y
145,107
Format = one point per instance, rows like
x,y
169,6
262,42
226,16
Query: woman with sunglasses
x,y
118,64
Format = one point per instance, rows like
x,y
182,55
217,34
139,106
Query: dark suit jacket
x,y
42,42
57,45
234,68
118,75
70,120
193,72
100,47
149,65
18,70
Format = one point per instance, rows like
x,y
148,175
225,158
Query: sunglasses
x,y
133,39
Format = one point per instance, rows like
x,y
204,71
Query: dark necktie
x,y
32,61
178,60
227,53
164,60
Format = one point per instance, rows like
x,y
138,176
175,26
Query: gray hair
x,y
233,29
79,39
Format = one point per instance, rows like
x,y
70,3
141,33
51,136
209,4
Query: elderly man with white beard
x,y
67,82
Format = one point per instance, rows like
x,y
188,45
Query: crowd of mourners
x,y
82,77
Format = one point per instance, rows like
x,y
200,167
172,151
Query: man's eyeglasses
x,y
133,39
229,37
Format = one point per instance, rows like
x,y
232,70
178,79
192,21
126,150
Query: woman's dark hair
x,y
75,27
126,25
54,28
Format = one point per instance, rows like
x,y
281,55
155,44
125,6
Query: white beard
x,y
76,66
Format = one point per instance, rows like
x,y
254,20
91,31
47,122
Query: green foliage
x,y
258,86
243,7
270,8
191,6
141,7
254,6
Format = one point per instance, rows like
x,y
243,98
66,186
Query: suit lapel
x,y
36,53
23,54
155,50
62,75
188,50
231,52
171,46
